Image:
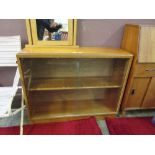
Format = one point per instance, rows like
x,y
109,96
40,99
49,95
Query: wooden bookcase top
x,y
82,52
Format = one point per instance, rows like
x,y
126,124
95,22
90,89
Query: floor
x,y
15,120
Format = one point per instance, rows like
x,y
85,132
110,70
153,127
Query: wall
x,y
107,32
13,27
91,32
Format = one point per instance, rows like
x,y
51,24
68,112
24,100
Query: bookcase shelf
x,y
37,84
73,108
71,83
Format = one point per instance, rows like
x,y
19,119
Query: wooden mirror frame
x,y
33,39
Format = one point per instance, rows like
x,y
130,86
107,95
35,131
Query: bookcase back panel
x,y
71,103
71,95
70,67
61,68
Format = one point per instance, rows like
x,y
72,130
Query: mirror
x,y
51,32
52,29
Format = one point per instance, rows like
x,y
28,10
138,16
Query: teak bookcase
x,y
67,83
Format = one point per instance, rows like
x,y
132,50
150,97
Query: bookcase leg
x,y
22,115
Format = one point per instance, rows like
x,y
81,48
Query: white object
x,y
9,47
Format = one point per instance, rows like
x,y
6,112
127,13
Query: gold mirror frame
x,y
33,39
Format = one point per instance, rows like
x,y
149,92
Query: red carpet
x,y
130,126
79,127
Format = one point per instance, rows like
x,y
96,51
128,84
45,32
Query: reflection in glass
x,y
52,29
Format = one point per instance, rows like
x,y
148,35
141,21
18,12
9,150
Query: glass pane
x,y
72,87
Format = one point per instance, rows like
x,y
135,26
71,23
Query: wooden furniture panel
x,y
145,70
137,92
149,100
147,44
131,39
130,42
82,52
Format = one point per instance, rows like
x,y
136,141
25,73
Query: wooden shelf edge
x,y
72,84
36,118
74,88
